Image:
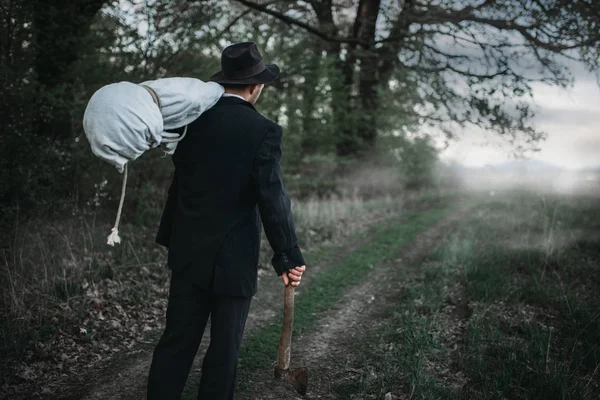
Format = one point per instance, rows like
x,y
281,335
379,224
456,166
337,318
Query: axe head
x,y
297,378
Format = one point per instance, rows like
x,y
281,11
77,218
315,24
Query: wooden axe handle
x,y
285,342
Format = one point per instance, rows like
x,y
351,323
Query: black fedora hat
x,y
241,63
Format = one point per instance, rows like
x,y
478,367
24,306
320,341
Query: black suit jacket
x,y
227,174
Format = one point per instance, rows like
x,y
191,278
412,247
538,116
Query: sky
x,y
570,117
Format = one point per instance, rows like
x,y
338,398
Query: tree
x,y
40,46
59,30
53,55
473,61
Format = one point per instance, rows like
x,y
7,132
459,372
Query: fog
x,y
527,175
569,116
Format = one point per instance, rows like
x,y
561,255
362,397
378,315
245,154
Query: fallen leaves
x,y
109,317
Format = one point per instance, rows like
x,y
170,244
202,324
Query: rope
x,y
154,95
177,139
114,235
156,100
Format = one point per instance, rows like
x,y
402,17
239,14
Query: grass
x,y
315,212
507,308
59,278
412,338
259,350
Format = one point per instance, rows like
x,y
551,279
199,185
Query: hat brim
x,y
270,73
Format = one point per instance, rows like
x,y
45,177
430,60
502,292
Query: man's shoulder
x,y
253,114
250,117
268,125
237,117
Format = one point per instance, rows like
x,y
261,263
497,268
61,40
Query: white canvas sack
x,y
123,120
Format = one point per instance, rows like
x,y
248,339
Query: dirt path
x,y
355,317
125,377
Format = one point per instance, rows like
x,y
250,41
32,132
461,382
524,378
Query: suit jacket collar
x,y
228,101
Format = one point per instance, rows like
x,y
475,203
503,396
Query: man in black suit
x,y
227,175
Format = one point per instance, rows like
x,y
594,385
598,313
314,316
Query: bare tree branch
x,y
292,21
232,23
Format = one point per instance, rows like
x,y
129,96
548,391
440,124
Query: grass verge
x,y
507,308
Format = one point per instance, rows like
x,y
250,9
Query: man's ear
x,y
254,88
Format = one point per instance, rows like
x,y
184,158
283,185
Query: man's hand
x,y
293,276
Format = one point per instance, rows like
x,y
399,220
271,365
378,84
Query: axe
x,y
297,378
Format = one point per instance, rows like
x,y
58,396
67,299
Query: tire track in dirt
x,y
125,378
325,351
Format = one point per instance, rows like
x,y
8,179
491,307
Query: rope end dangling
x,y
114,234
113,237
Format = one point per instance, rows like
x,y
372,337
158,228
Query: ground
x,y
472,297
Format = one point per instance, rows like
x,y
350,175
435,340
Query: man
x,y
227,174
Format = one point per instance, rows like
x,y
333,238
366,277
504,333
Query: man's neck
x,y
229,94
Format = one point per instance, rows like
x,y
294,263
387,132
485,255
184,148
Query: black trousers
x,y
187,314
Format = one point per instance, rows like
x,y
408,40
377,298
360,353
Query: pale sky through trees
x,y
570,117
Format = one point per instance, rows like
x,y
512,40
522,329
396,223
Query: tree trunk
x,y
369,101
343,107
60,28
309,93
368,80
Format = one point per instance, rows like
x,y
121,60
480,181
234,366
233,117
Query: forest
x,y
370,93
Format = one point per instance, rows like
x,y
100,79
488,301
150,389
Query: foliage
x,y
466,62
347,81
415,156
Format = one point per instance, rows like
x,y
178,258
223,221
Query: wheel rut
x,y
354,319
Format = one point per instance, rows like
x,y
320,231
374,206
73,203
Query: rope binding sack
x,y
123,120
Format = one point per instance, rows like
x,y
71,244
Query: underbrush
x,y
506,308
321,220
69,300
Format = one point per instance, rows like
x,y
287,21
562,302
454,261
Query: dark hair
x,y
235,86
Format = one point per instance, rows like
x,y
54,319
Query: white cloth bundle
x,y
123,120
